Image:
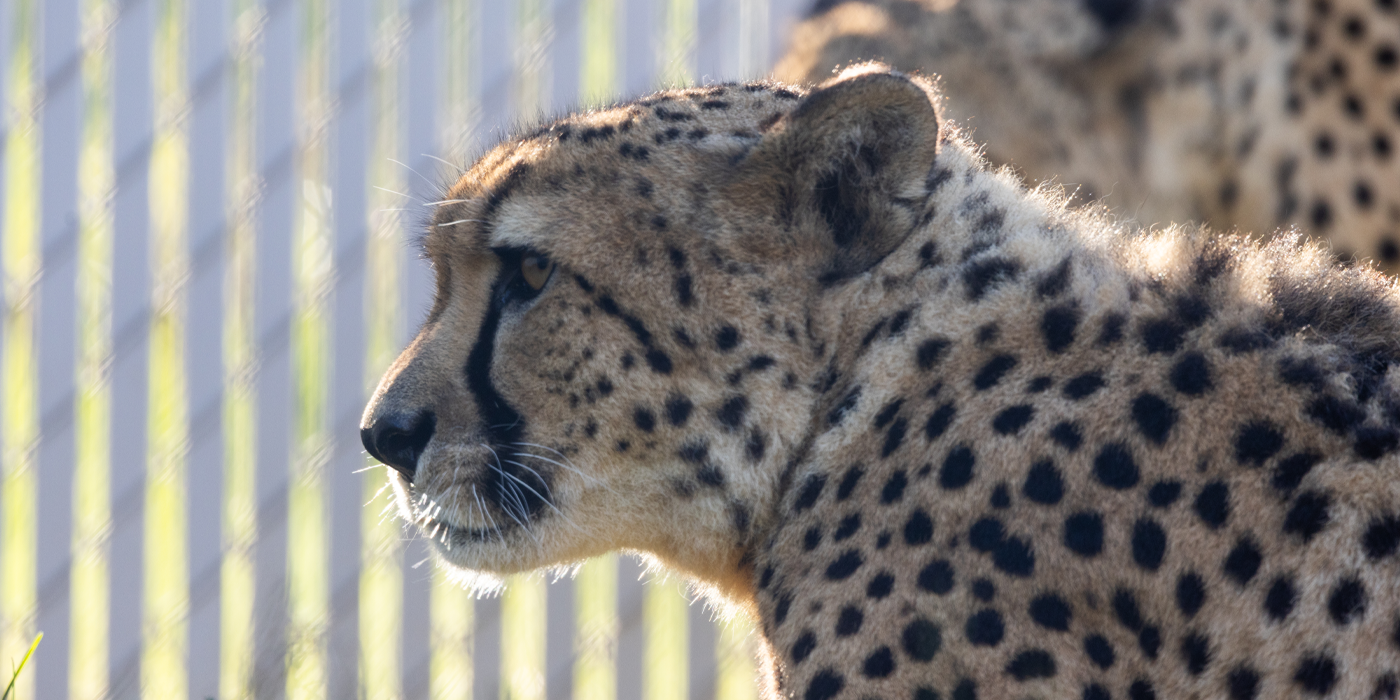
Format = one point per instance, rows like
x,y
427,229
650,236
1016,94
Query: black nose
x,y
397,439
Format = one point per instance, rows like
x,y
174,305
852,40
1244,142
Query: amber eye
x,y
535,269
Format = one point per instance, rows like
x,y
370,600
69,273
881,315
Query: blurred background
x,y
208,209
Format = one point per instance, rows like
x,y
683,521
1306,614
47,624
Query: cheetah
x,y
941,436
1248,114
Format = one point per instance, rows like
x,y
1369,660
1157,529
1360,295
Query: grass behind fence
x,y
165,595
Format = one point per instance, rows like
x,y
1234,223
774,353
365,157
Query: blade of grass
x,y
10,688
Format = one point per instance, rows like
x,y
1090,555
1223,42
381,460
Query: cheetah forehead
x,y
631,149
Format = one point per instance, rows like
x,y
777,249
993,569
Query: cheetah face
x,y
626,345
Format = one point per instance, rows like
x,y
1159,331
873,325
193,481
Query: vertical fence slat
x,y
419,85
347,481
272,311
208,62
91,567
133,110
345,478
55,334
239,509
631,640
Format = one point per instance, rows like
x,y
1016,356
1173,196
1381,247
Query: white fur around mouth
x,y
427,516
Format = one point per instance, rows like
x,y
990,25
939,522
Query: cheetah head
x,y
639,318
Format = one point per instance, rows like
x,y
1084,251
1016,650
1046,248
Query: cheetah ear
x,y
847,170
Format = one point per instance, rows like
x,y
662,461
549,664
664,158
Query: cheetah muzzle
x,y
941,436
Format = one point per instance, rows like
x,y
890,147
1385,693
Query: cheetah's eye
x,y
535,269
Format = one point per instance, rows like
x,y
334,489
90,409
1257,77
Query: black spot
x,y
1162,335
879,664
1317,674
993,371
1347,602
845,565
957,468
894,437
939,421
731,414
1084,534
982,275
880,586
1084,385
1164,493
756,446
1051,612
1040,384
848,482
1114,467
1112,330
644,418
1291,470
894,487
811,490
1032,663
1301,372
1001,497
922,639
899,322
1055,282
1374,442
1335,414
1243,683
1014,556
1195,652
1043,483
1011,420
1241,340
966,689
1141,690
1213,504
1190,593
847,527
1256,443
727,338
1150,641
1125,607
1154,417
1242,563
1191,374
658,361
803,647
710,475
1058,326
1149,544
1281,598
1309,514
838,412
874,331
986,534
985,628
918,529
1066,435
849,620
930,352
1382,537
1094,691
825,685
1386,686
983,590
812,538
1099,651
937,577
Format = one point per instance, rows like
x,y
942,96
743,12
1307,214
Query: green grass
x,y
10,688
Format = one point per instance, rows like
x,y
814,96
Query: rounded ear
x,y
844,172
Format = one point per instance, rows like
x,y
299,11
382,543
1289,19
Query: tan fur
x,y
820,277
1192,110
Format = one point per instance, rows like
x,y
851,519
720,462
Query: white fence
x,y
205,212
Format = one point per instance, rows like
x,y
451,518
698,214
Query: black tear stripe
x,y
519,492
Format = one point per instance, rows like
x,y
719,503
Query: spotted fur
x,y
943,437
1256,114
